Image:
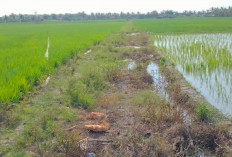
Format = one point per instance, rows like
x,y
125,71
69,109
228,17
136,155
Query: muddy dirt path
x,y
120,114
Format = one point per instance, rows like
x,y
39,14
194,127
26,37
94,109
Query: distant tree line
x,y
213,12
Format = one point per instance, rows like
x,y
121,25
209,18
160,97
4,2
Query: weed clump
x,y
147,97
163,59
69,115
108,100
93,81
157,110
112,72
79,96
71,145
11,118
83,91
203,112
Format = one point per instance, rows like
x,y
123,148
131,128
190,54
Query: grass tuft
x,y
79,95
203,112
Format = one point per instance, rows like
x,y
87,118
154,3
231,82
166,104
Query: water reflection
x,y
131,65
160,88
159,80
205,60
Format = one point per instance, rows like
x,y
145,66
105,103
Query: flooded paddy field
x,y
205,60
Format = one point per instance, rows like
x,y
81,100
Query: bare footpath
x,y
146,112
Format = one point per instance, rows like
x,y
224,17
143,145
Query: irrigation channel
x,y
205,60
161,84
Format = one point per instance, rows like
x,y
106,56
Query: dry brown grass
x,y
71,145
162,147
188,139
113,73
146,78
108,100
140,80
155,109
178,140
139,40
96,116
139,144
179,97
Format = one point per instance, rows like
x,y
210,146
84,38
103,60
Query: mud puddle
x,y
131,65
159,81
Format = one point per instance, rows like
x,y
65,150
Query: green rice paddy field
x,y
23,45
185,25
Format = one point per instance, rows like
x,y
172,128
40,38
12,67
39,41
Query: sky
x,y
73,6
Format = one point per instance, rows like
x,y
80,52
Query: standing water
x,y
161,86
159,80
131,65
205,60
